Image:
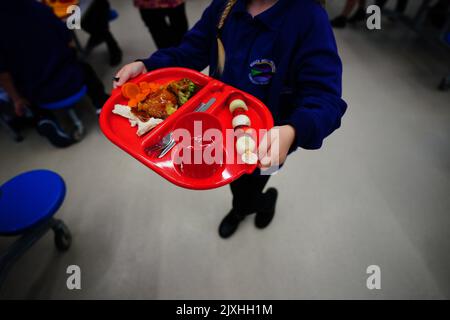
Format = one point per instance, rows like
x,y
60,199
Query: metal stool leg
x,y
445,83
20,246
79,133
63,240
17,136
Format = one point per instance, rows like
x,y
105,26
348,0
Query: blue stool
x,y
113,14
28,203
68,104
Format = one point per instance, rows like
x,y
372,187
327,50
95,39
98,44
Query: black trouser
x,y
95,88
401,5
96,23
247,193
167,25
438,14
96,19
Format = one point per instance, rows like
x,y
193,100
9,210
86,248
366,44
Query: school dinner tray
x,y
198,177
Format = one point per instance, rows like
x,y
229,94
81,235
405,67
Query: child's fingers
x,y
116,79
265,163
264,146
122,76
270,160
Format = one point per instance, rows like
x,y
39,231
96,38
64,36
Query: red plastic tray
x,y
118,129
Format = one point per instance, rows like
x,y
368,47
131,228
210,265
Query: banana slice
x,y
245,143
241,120
236,104
249,158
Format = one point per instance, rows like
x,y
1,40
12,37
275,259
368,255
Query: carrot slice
x,y
143,85
130,90
133,103
154,86
141,96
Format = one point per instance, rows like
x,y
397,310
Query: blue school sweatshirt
x,y
286,56
34,49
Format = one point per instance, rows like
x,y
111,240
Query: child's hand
x,y
275,145
20,105
129,71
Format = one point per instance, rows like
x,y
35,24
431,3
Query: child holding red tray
x,y
284,53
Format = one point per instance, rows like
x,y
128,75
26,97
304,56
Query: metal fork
x,y
169,147
163,143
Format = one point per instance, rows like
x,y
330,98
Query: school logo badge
x,y
262,71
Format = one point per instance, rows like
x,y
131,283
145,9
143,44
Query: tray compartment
x,y
258,117
118,128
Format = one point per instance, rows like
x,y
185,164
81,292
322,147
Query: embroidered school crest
x,y
261,71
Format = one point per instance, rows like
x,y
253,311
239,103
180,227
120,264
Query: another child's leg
x,y
341,20
381,3
360,13
178,24
96,23
401,6
155,20
95,88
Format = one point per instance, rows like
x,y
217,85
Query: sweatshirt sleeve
x,y
195,48
319,107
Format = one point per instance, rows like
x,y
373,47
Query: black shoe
x,y
339,22
265,216
229,224
51,130
359,15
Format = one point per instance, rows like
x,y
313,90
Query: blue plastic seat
x,y
113,15
67,102
28,199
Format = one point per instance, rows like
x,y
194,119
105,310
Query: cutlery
x,y
170,142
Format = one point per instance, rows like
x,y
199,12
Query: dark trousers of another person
x,y
401,5
95,88
166,25
247,194
96,23
438,14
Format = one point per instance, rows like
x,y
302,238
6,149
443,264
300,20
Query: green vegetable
x,y
170,109
184,89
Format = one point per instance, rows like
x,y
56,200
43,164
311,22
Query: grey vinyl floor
x,y
377,193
